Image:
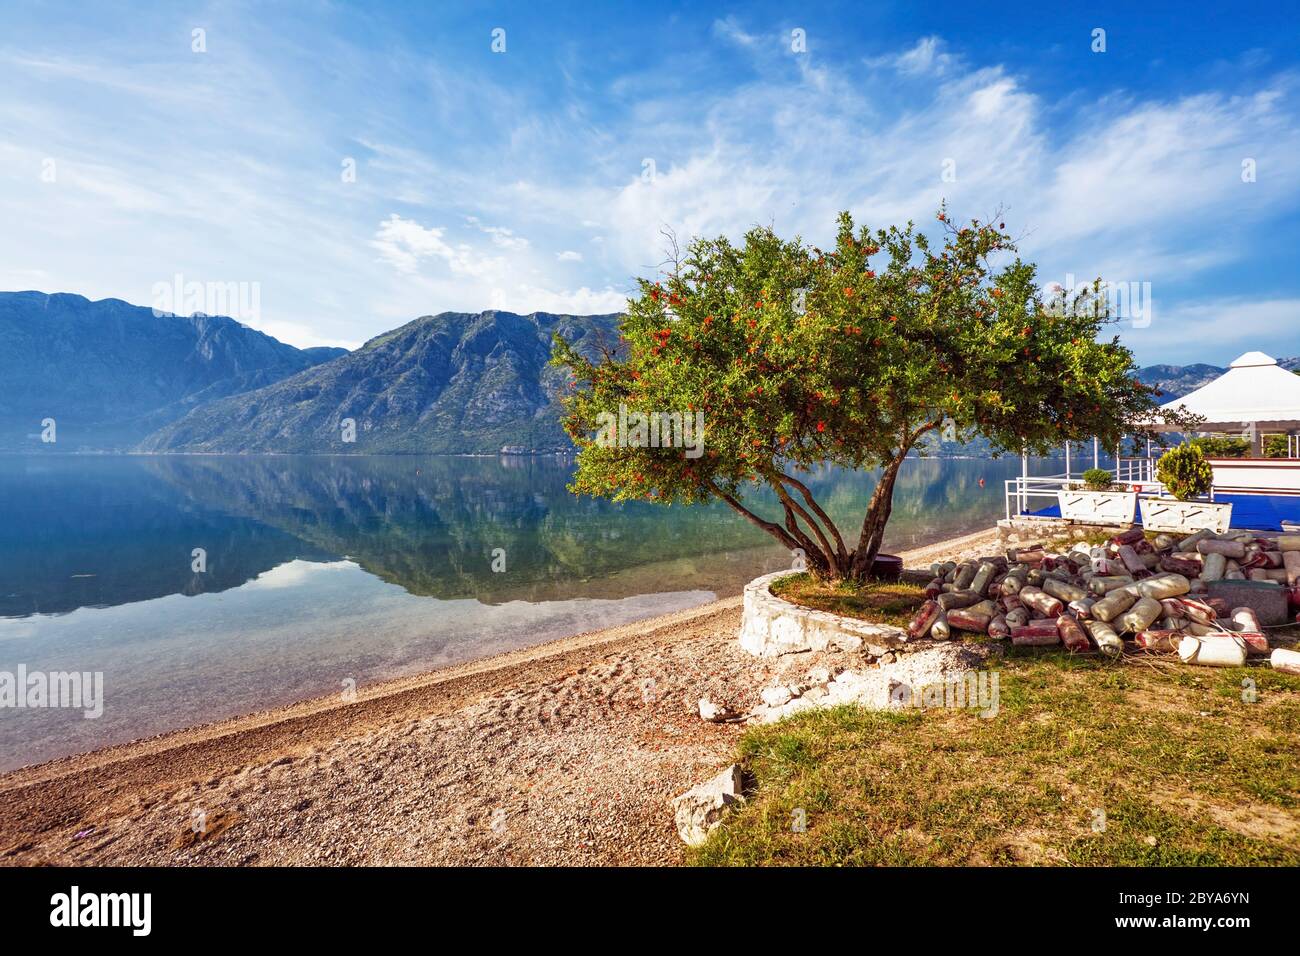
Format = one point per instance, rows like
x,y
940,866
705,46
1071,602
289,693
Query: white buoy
x,y
1219,650
1286,661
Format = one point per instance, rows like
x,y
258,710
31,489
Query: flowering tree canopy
x,y
797,357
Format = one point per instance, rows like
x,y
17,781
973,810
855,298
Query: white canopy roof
x,y
1255,389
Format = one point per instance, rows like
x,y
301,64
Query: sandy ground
x,y
565,753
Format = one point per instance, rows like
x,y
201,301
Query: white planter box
x,y
1170,514
1098,507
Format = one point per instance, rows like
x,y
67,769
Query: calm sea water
x,y
325,571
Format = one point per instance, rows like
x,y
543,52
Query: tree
x,y
798,357
1221,446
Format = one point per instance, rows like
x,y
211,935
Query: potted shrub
x,y
1098,479
1187,479
1098,501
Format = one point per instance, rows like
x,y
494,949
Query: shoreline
x,y
627,692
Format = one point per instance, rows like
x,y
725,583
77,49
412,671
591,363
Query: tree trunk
x,y
877,517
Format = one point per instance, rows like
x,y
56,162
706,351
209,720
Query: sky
x,y
351,167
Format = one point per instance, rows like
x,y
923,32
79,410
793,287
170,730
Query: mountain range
x,y
119,377
453,383
1175,381
109,373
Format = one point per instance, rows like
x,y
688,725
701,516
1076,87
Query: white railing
x,y
1292,442
1027,493
1021,490
1134,471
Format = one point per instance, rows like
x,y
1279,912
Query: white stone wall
x,y
772,626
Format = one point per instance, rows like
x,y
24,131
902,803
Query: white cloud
x,y
1127,187
928,56
582,301
505,238
1192,331
302,336
405,244
729,28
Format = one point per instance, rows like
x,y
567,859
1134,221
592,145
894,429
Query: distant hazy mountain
x,y
1175,381
448,383
110,373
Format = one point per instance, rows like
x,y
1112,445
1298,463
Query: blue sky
x,y
520,179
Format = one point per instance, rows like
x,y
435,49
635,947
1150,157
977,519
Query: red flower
x,y
821,426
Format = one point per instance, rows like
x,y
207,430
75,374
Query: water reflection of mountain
x,y
429,525
92,532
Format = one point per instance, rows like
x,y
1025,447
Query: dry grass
x,y
876,601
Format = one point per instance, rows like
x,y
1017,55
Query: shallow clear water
x,y
322,571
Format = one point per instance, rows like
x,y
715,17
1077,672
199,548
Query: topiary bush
x,y
1184,472
1098,479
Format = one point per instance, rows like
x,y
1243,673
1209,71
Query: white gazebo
x,y
1255,398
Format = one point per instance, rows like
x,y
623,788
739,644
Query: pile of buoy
x,y
1152,592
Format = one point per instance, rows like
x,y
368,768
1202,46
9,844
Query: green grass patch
x,y
1087,762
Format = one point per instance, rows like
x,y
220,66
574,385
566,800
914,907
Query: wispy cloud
x,y
1223,327
363,177
927,57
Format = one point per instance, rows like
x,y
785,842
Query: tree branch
x,y
771,528
822,557
798,485
791,507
